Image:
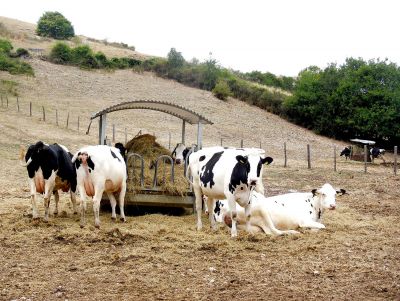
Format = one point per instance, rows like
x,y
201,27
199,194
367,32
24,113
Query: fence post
x,y
221,141
7,100
78,123
241,143
56,117
44,114
30,109
113,133
285,154
260,144
395,160
17,104
1,100
334,158
308,156
126,136
365,158
67,119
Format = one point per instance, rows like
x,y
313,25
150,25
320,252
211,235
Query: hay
x,y
146,146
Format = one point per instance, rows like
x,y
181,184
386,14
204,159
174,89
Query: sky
x,y
281,36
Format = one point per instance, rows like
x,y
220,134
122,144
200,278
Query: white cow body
x,y
100,168
286,212
229,173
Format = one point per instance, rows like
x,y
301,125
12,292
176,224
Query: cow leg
x,y
113,203
56,199
312,225
82,193
232,209
73,201
121,199
48,188
211,206
199,200
96,205
35,214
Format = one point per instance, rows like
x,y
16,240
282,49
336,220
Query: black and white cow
x,y
226,173
100,168
346,152
122,149
180,153
377,152
50,169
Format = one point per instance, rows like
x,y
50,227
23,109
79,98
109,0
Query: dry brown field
x,y
161,256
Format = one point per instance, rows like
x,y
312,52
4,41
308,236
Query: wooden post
x,y
30,109
169,140
1,100
7,100
395,160
44,114
260,144
17,104
56,117
113,133
126,136
285,154
78,123
221,141
308,156
241,143
67,119
334,158
365,158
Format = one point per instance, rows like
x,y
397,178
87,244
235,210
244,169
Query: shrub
x,y
61,54
221,90
83,56
5,46
21,52
14,66
54,25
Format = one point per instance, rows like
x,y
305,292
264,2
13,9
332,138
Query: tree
x,y
55,25
175,59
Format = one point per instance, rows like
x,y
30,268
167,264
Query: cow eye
x,y
241,188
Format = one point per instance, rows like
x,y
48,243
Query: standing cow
x,y
229,173
49,169
100,168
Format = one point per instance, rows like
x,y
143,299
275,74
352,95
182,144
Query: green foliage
x,y
22,52
175,59
5,46
84,57
283,82
54,25
8,87
221,90
357,99
61,54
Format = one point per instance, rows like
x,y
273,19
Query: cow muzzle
x,y
253,182
332,207
178,161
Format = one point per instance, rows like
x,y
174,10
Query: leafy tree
x,y
61,54
54,25
221,90
175,59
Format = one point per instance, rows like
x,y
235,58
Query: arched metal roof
x,y
162,106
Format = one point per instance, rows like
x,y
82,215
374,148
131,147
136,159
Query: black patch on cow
x,y
314,191
311,205
310,212
319,214
202,158
283,205
121,148
114,155
261,162
239,173
217,208
185,153
208,176
90,163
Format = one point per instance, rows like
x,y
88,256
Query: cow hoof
x,y
97,226
55,213
82,226
75,212
46,220
123,219
113,218
35,218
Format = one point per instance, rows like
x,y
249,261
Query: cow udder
x,y
39,183
110,187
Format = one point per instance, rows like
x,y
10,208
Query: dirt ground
x,y
162,256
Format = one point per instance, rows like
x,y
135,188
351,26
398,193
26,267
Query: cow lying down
x,y
282,214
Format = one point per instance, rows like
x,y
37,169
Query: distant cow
x,y
122,149
285,212
346,152
229,173
49,169
100,168
377,152
180,153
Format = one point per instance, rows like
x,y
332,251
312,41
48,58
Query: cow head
x,y
256,166
121,148
82,158
178,153
327,196
34,152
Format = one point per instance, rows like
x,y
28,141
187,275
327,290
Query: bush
x,y
5,46
21,52
83,56
14,66
61,54
221,90
54,25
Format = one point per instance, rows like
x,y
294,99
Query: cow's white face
x,y
256,167
327,196
178,152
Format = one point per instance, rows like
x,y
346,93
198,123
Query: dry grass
x,y
158,256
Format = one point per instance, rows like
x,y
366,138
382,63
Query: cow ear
x,y
241,159
314,192
267,160
341,191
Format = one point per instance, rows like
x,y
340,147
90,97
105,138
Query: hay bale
x,y
146,146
